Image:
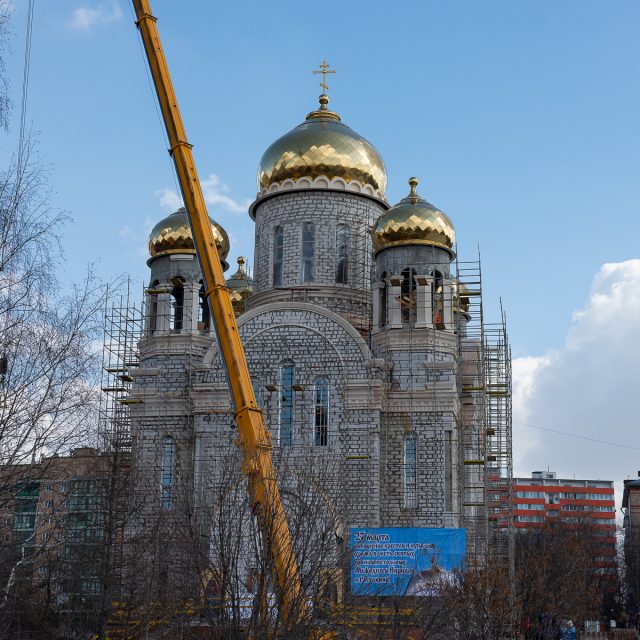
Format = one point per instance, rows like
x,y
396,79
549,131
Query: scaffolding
x,y
485,385
471,381
499,466
123,327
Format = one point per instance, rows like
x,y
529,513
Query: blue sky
x,y
519,118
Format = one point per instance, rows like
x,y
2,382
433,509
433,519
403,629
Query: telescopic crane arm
x,y
254,437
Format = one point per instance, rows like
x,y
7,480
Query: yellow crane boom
x,y
254,437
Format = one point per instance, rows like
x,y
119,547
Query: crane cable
x,y
152,90
25,86
4,360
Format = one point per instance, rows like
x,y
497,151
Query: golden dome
x,y
323,146
413,221
240,286
460,295
173,235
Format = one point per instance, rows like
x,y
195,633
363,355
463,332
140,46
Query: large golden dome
x,y
173,235
323,146
413,221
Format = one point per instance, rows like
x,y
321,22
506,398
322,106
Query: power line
x,y
574,435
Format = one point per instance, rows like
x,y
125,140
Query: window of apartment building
x,y
410,472
529,494
530,507
48,504
49,488
530,518
64,487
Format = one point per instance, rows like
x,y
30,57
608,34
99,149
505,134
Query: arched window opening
x,y
410,472
204,316
448,471
287,376
437,300
278,248
321,419
308,252
383,299
153,307
166,478
342,254
177,304
408,296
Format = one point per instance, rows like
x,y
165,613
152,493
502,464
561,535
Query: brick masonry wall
x,y
326,209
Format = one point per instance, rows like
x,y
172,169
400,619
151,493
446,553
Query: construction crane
x,y
254,436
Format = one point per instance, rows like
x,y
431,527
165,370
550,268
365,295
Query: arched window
x,y
342,254
410,472
321,414
153,307
408,296
166,478
287,375
448,471
278,247
383,300
437,300
308,251
177,304
204,315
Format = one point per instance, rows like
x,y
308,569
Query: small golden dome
x,y
240,286
460,295
173,235
413,221
322,146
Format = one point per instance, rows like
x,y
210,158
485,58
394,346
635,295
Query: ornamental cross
x,y
324,69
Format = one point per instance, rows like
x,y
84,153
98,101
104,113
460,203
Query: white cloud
x,y
136,238
588,387
215,192
86,17
169,199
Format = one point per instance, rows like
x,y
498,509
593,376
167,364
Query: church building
x,y
356,325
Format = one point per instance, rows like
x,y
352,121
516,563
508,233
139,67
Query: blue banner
x,y
405,561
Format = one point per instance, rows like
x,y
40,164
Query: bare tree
x,y
49,366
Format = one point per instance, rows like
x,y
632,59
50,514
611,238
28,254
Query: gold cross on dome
x,y
324,69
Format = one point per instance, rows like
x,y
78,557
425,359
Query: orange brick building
x,y
544,500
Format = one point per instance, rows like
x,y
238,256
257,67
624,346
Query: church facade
x,y
354,324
